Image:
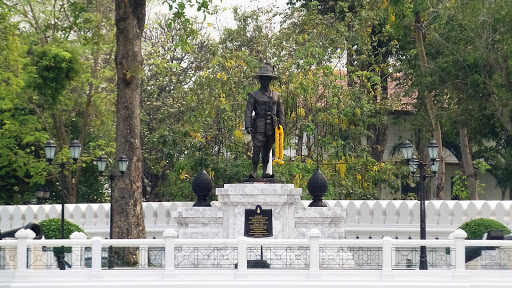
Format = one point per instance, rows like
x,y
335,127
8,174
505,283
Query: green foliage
x,y
481,166
476,228
499,158
63,90
55,68
410,196
51,228
92,186
460,182
171,136
459,187
21,168
221,171
181,20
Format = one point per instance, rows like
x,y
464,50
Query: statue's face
x,y
265,81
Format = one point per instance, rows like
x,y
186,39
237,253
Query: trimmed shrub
x,y
476,228
51,228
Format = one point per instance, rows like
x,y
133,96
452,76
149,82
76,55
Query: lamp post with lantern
x,y
42,194
414,164
75,149
122,163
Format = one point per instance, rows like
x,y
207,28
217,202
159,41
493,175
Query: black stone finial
x,y
317,187
202,186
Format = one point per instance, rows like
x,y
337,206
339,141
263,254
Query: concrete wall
x,y
363,218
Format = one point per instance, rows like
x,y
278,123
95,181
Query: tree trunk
x,y
300,145
378,141
309,147
418,25
421,147
467,163
129,217
380,130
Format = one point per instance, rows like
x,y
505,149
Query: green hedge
x,y
51,228
476,228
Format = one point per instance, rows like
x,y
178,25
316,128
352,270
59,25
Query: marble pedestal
x,y
226,218
327,220
281,198
199,222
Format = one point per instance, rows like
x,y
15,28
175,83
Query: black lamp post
x,y
122,162
414,163
42,194
49,150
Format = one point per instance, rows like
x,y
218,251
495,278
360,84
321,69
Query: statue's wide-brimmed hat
x,y
266,70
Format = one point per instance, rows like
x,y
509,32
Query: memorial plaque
x,y
258,222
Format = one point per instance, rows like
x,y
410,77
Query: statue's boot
x,y
256,152
254,171
265,174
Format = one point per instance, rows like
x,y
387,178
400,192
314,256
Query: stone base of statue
x,y
291,218
281,198
327,220
199,222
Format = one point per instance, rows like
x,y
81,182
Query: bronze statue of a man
x,y
268,113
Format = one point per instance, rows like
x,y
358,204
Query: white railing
x,y
312,254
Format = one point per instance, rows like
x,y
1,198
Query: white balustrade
x,y
53,211
474,210
150,215
379,214
315,247
163,213
353,212
387,252
242,254
458,237
432,212
460,214
22,237
392,213
501,212
17,216
446,212
90,216
169,236
416,213
29,214
77,251
366,212
102,215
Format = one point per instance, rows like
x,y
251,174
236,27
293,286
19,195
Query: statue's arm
x,y
280,111
248,111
